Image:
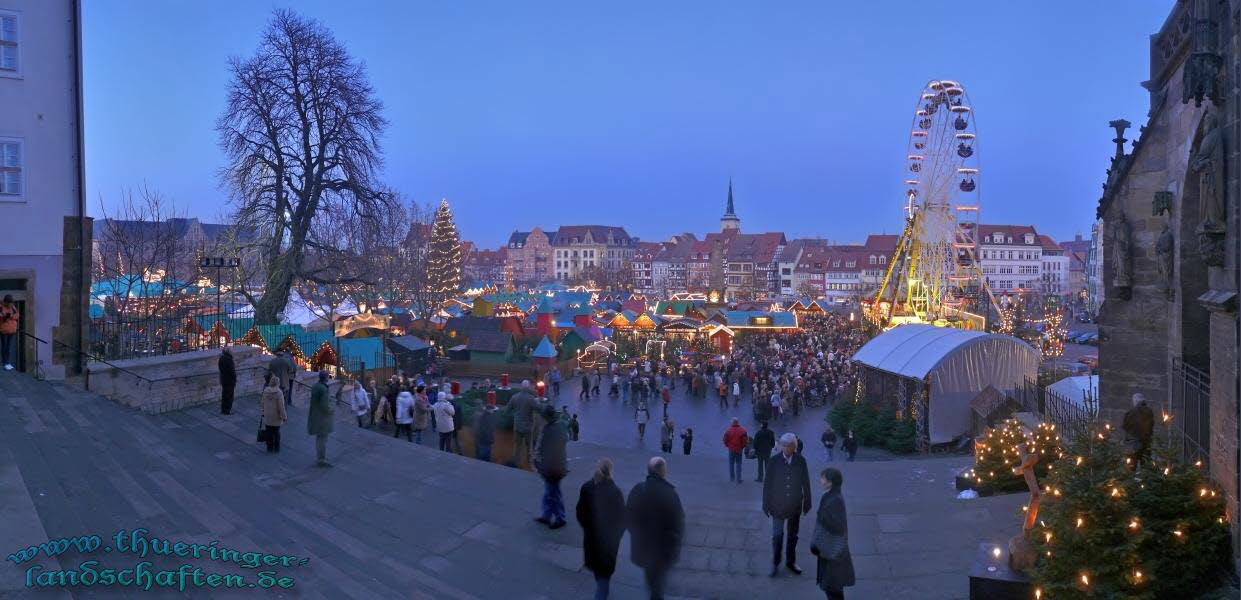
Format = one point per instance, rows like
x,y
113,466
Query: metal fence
x,y
1068,414
1189,403
120,336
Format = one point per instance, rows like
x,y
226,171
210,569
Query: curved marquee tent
x,y
954,365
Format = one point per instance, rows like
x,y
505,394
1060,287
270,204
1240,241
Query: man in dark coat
x,y
786,497
485,429
1139,427
601,513
764,443
281,367
656,524
522,407
551,460
319,418
228,380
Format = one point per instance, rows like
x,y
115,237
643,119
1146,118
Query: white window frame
x,y
14,73
21,177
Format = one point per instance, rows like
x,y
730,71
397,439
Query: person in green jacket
x,y
319,418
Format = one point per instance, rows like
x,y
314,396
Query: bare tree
x,y
301,132
145,263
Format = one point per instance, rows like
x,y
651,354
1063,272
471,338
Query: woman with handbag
x,y
831,539
273,414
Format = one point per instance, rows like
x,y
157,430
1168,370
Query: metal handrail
x,y
96,359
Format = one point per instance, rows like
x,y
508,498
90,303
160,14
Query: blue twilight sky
x,y
637,113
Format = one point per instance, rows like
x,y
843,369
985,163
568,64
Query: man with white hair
x,y
786,497
656,525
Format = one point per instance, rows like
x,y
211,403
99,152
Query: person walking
x,y
551,461
736,393
584,394
522,406
764,443
360,402
666,433
228,380
9,318
422,412
444,412
835,565
687,440
575,429
786,497
641,415
601,513
1138,426
735,440
405,414
485,429
850,445
829,443
656,524
554,377
271,406
319,420
665,394
595,381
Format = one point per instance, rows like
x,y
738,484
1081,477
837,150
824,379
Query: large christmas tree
x,y
444,254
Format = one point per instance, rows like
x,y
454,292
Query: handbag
x,y
262,434
826,545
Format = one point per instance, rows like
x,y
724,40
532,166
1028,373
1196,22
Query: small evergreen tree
x,y
1088,537
997,454
444,255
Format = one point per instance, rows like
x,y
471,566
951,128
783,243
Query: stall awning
x,y
915,350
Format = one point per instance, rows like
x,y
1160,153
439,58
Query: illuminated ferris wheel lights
x,y
911,182
920,113
960,109
967,171
966,136
915,157
966,207
919,134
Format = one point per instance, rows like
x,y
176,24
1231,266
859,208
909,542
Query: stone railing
x,y
159,384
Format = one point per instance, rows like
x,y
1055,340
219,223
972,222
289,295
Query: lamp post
x,y
219,263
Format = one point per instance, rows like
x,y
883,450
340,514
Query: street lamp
x,y
219,263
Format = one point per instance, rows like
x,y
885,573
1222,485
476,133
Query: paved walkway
x,y
394,520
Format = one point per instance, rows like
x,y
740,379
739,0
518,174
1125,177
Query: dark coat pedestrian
x,y
319,418
834,574
656,524
228,380
551,457
601,513
786,490
850,445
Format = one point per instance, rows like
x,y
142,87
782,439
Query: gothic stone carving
x,y
1204,69
1122,258
1165,253
1208,164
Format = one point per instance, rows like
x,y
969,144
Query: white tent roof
x,y
1076,389
915,350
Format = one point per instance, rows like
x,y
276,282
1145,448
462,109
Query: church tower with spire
x,y
730,220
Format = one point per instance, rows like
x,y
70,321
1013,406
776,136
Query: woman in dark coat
x,y
601,513
835,574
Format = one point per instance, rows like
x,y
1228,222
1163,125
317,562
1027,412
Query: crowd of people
x,y
780,374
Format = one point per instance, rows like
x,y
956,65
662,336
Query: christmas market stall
x,y
411,353
932,374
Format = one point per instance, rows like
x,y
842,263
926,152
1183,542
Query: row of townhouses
x,y
1013,258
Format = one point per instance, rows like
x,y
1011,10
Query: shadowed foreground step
x,y
394,520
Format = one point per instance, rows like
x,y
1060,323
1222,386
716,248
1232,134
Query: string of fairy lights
x,y
1050,341
444,253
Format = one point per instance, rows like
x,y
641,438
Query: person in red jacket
x,y
8,330
735,439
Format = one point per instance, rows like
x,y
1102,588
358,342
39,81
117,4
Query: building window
x,y
874,260
9,64
11,167
883,260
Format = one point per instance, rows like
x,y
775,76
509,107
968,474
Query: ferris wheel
x,y
937,257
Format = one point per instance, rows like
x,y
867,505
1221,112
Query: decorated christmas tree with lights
x,y
1108,530
998,453
444,254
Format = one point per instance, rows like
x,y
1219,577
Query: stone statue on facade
x,y
1208,164
1122,258
1165,251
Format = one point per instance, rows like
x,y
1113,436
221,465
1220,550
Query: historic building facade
x,y
528,257
1168,324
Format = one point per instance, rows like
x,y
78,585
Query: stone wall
x,y
176,380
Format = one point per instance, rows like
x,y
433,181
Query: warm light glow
x,y
1079,522
995,552
1085,579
